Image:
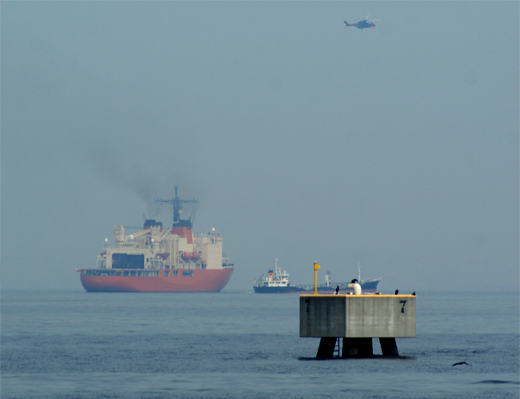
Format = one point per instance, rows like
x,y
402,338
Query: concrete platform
x,y
357,316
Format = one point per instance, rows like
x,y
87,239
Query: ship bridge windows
x,y
187,273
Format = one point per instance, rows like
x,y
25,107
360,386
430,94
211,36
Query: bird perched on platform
x,y
355,286
396,292
337,290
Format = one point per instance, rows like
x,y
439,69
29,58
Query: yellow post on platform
x,y
316,267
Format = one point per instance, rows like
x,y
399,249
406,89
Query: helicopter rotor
x,y
371,20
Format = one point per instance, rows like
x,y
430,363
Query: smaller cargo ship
x,y
277,282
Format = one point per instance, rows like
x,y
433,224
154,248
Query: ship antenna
x,y
359,272
177,206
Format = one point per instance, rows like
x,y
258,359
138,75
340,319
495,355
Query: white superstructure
x,y
156,248
276,278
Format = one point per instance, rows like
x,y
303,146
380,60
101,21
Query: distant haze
x,y
395,147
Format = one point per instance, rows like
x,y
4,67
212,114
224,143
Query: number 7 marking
x,y
404,303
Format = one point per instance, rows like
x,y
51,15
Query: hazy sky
x,y
304,140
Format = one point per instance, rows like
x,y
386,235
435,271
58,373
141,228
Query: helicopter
x,y
362,24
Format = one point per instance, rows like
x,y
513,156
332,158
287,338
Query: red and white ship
x,y
161,260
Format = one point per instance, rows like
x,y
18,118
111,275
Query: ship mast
x,y
177,208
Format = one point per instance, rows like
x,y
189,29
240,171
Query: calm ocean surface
x,y
73,344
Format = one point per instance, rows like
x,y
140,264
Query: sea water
x,y
73,344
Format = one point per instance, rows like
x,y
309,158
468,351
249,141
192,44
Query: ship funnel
x,y
181,227
177,204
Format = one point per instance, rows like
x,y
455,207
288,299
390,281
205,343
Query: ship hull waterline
x,y
291,290
201,280
367,287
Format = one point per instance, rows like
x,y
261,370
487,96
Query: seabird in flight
x,y
460,364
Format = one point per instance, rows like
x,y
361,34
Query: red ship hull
x,y
200,280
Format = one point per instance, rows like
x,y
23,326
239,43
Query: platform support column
x,y
326,348
389,347
357,347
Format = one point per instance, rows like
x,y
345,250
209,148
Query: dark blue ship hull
x,y
278,290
